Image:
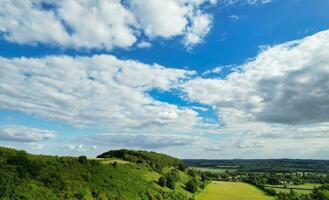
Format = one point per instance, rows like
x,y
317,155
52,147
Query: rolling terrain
x,y
141,175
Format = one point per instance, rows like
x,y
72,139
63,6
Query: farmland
x,y
231,190
301,189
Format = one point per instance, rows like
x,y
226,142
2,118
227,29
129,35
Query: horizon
x,y
194,79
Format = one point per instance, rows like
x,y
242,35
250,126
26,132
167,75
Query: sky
x,y
212,79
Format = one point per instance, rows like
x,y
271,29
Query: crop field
x,y
232,190
302,189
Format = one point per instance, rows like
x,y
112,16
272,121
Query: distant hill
x,y
156,160
26,176
264,165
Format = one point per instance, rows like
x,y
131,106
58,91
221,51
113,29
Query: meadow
x,y
300,189
231,190
214,169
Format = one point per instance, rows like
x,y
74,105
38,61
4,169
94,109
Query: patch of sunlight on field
x,y
109,160
232,191
214,170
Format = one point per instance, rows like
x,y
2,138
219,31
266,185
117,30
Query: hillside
x,y
26,176
156,160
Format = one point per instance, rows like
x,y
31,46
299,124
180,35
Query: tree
x,y
162,181
191,172
82,159
171,182
115,164
192,185
181,167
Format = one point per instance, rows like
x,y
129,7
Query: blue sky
x,y
215,79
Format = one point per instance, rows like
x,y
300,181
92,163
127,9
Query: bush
x,y
162,181
192,185
83,159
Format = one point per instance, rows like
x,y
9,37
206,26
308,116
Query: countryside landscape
x,y
164,99
129,174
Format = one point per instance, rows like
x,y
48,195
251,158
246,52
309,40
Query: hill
x,y
156,160
26,176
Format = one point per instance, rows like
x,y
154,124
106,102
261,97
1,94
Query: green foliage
x,y
25,176
192,185
321,193
156,160
192,172
181,167
162,181
82,159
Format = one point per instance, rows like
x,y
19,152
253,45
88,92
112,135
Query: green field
x,y
214,169
301,189
231,190
109,160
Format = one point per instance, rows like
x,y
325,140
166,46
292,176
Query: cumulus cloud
x,y
215,70
101,90
144,44
111,23
145,141
25,134
285,84
201,24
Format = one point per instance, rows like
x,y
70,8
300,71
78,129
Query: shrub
x,y
192,185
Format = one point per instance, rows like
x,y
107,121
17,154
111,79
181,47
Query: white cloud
x,y
144,44
281,93
213,148
285,83
201,24
215,70
102,24
145,141
245,144
36,146
25,134
80,148
242,2
101,90
234,17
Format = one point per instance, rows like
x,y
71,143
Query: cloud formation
x,y
80,148
101,90
213,148
284,84
144,141
25,134
102,24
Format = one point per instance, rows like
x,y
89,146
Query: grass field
x,y
109,160
232,191
214,169
301,189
